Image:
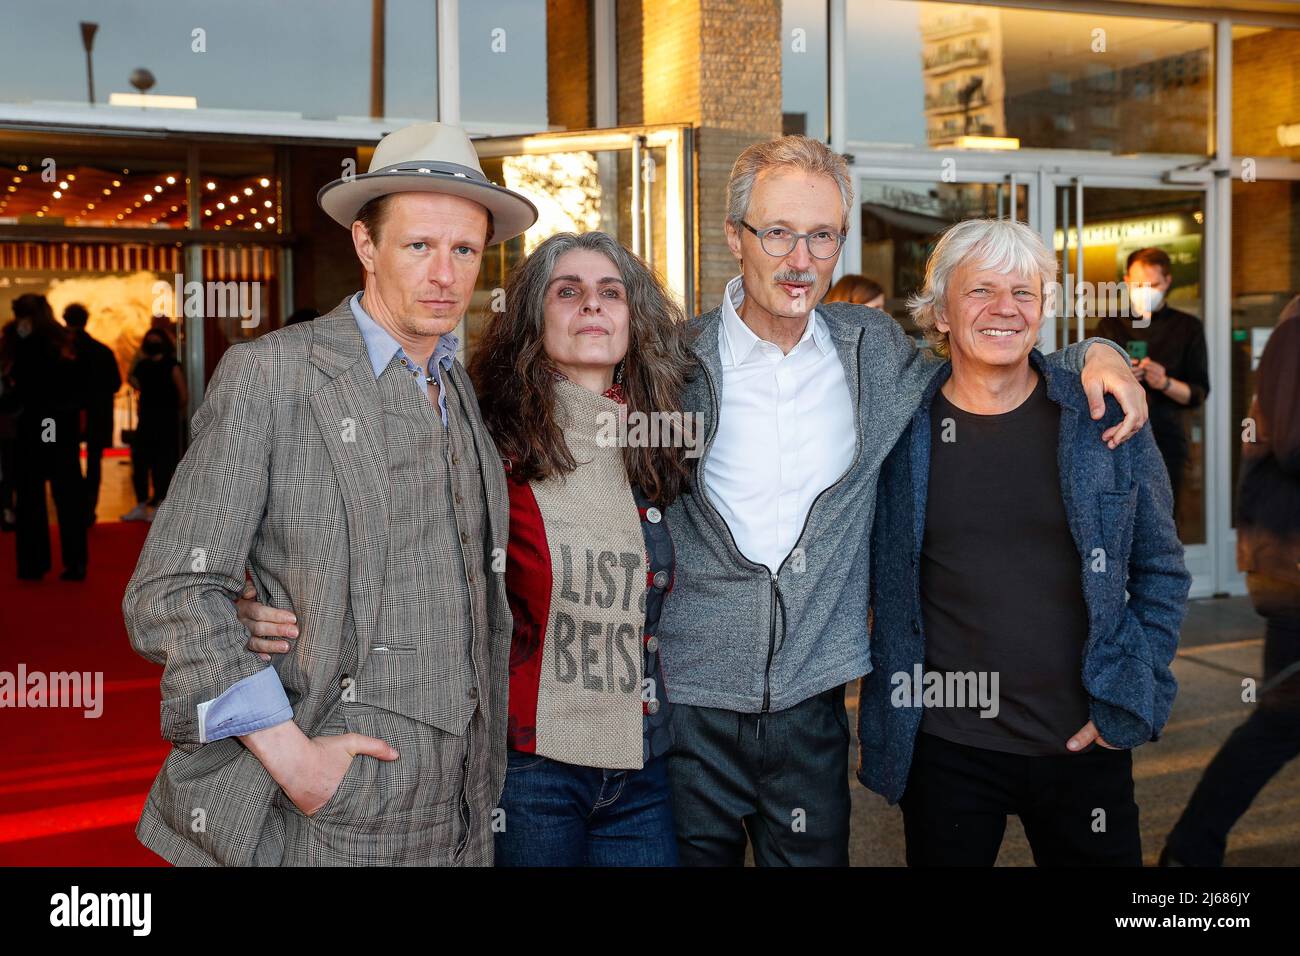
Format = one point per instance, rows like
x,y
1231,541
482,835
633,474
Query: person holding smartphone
x,y
1167,350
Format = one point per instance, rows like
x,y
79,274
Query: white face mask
x,y
1145,299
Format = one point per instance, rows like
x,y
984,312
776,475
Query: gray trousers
x,y
430,807
779,779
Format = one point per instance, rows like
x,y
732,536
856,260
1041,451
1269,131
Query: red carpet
x,y
71,786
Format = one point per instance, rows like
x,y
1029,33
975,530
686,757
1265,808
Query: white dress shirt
x,y
786,432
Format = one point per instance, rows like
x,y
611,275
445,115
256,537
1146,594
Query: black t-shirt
x,y
1177,341
1001,578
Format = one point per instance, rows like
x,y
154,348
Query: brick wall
x,y
1265,94
569,94
628,14
716,65
740,80
740,68
1265,91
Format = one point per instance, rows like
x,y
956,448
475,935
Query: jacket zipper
x,y
771,652
735,549
771,648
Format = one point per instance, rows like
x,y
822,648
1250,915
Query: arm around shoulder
x,y
913,364
1075,355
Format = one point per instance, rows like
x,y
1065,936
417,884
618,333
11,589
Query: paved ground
x,y
1222,643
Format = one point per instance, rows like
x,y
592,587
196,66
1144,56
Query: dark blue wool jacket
x,y
1118,501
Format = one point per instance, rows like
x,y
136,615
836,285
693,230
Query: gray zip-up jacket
x,y
736,636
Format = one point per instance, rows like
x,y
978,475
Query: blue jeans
x,y
559,814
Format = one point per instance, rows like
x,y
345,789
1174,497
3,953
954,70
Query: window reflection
x,y
901,222
239,190
804,63
300,58
47,184
926,73
506,43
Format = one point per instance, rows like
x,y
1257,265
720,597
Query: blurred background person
x,y
99,378
8,425
1168,352
857,290
155,447
1268,550
43,371
165,325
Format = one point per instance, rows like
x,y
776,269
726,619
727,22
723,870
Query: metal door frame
x,y
679,175
1211,564
1211,574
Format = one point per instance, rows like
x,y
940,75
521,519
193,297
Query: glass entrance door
x,y
1093,220
900,219
633,183
1095,230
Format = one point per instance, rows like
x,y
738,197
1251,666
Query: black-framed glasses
x,y
778,241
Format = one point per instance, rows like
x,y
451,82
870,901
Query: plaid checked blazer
x,y
271,483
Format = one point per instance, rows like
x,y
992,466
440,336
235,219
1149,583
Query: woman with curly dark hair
x,y
579,380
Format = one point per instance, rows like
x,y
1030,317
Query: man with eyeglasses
x,y
767,619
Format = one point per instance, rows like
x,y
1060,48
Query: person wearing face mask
x,y
1168,353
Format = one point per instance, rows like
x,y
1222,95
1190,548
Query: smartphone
x,y
1136,350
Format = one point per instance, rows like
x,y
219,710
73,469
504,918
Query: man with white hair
x,y
1027,585
767,618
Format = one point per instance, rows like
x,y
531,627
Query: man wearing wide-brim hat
x,y
345,463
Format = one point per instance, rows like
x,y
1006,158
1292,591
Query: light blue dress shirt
x,y
259,701
381,347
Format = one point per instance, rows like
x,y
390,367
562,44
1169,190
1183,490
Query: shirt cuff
x,y
254,703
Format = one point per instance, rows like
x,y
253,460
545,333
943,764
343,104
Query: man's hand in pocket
x,y
310,769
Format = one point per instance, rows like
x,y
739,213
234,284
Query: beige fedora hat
x,y
431,158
